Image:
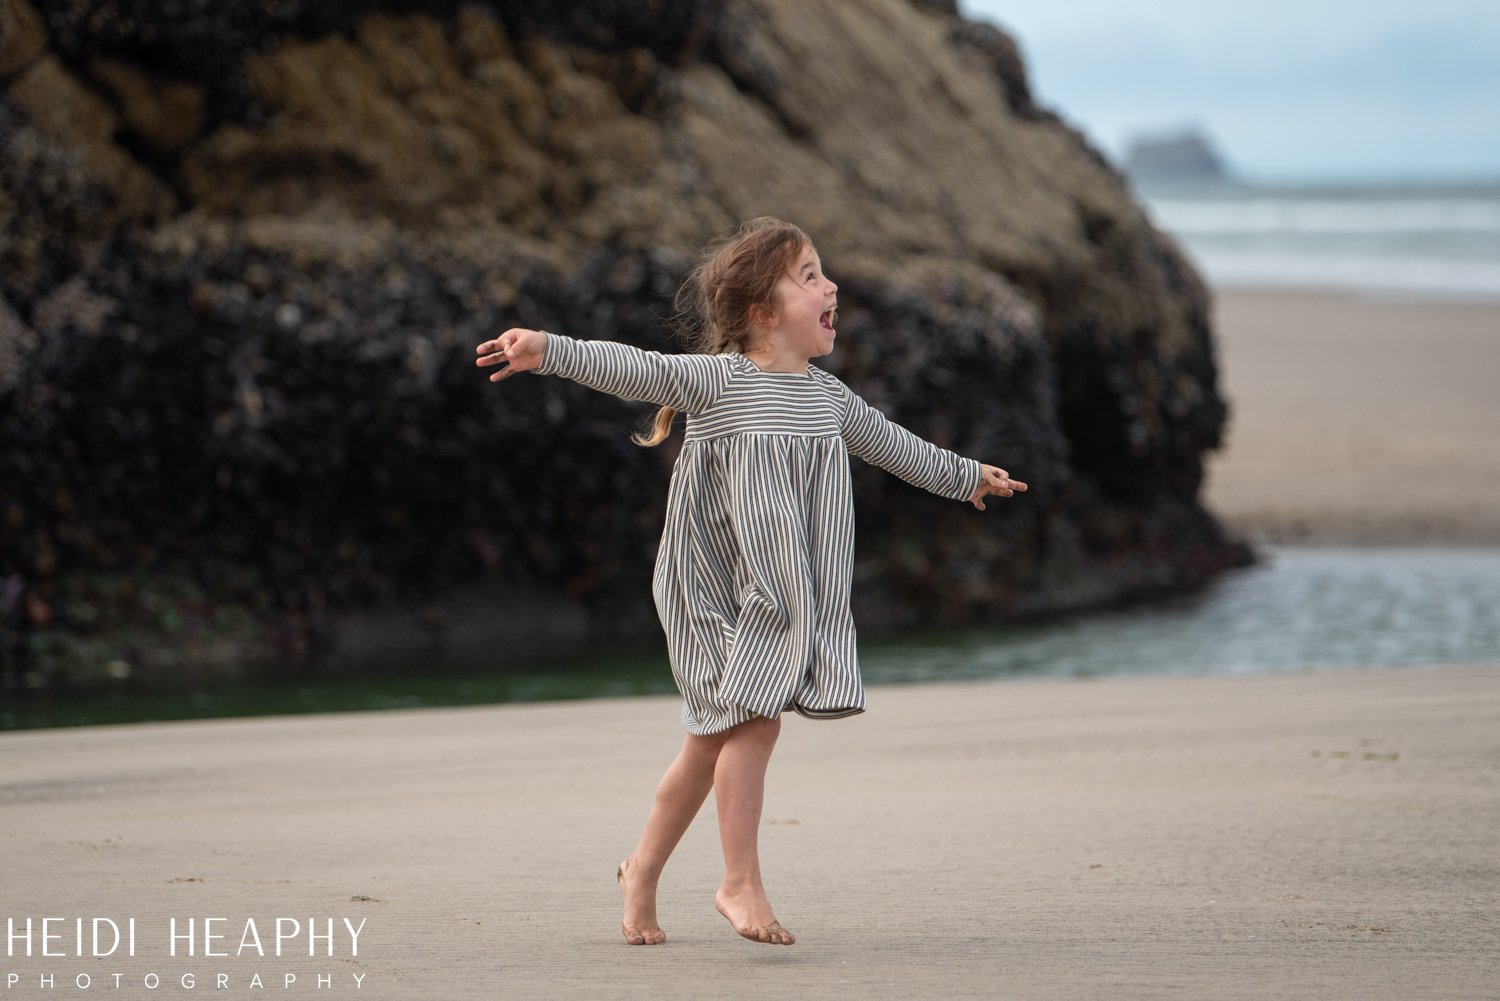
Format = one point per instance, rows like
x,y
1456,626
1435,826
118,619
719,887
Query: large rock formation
x,y
248,249
1181,158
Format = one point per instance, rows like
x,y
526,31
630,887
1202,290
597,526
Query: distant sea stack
x,y
1185,157
248,249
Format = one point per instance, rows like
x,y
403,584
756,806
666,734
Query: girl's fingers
x,y
496,346
997,482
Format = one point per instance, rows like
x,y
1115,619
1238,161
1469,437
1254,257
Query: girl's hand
x,y
994,480
516,350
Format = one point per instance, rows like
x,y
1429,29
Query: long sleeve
x,y
688,383
871,436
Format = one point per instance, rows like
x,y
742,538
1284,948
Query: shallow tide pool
x,y
1301,608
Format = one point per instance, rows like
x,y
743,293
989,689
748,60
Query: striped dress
x,y
753,572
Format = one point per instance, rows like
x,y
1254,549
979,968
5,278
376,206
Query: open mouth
x,y
829,318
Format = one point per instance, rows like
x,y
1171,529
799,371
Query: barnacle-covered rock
x,y
248,250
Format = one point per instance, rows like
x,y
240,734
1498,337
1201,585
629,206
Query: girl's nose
x,y
832,286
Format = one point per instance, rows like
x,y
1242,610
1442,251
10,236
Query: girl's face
x,y
806,303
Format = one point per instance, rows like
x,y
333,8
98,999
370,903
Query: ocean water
x,y
1404,241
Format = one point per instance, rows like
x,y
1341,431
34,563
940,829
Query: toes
x,y
772,934
648,936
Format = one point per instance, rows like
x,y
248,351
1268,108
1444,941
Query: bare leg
x,y
739,789
678,798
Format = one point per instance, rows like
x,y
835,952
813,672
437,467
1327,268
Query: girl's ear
x,y
763,315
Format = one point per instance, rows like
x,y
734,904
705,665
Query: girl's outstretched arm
x,y
873,437
687,383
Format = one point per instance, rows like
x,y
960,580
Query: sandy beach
x,y
1357,420
1327,835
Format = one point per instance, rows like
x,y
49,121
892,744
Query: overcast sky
x,y
1286,90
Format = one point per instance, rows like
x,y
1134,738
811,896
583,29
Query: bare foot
x,y
639,924
749,912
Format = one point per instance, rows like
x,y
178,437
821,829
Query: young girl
x,y
753,573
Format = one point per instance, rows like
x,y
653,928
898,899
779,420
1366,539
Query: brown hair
x,y
733,275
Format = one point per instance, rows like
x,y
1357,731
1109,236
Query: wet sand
x,y
1355,420
1327,835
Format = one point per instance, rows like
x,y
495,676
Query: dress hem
x,y
806,712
